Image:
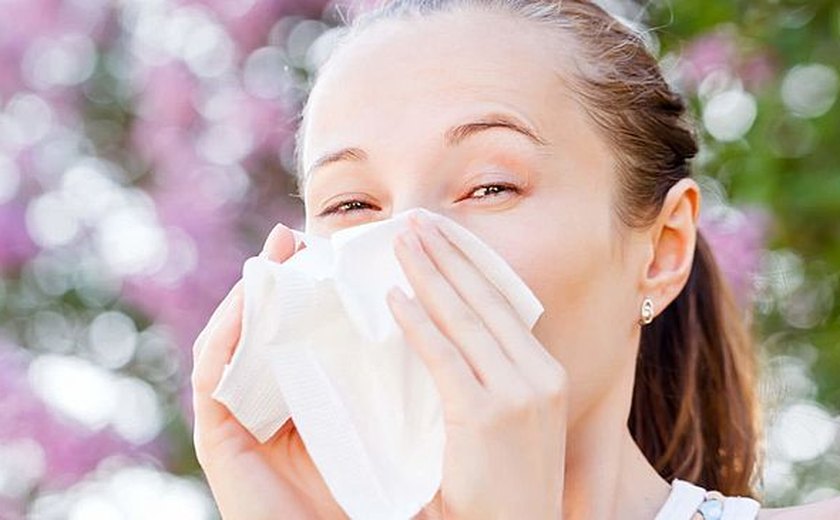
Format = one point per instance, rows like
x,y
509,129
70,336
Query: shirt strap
x,y
682,502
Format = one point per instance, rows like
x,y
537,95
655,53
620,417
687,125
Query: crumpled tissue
x,y
320,345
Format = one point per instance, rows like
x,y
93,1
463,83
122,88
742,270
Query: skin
x,y
535,419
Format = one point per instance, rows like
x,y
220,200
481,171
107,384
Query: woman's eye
x,y
344,207
491,189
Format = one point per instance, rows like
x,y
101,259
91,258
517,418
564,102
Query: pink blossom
x,y
70,449
737,243
23,21
758,70
708,53
723,51
248,27
166,95
16,247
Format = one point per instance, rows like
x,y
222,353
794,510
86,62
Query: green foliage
x,y
788,164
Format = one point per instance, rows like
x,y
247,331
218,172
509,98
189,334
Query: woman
x,y
546,129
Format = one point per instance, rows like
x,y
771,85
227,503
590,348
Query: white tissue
x,y
319,344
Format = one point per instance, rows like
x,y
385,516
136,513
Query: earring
x,y
647,311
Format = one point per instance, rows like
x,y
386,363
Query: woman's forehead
x,y
405,71
441,55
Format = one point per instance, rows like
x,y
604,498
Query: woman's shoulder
x,y
823,510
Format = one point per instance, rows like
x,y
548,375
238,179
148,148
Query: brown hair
x,y
695,412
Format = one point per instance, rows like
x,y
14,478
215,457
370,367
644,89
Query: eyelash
x,y
334,209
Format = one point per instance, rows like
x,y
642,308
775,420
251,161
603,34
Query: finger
x,y
213,351
214,318
451,314
454,378
281,243
494,309
219,346
217,342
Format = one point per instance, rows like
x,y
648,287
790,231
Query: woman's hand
x,y
249,480
504,396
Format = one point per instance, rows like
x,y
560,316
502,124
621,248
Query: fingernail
x,y
299,244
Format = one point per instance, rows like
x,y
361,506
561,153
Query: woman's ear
x,y
672,240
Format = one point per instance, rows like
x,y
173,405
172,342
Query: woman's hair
x,y
695,412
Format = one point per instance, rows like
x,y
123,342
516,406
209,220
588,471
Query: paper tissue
x,y
320,345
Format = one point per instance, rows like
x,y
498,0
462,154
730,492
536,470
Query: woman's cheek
x,y
565,277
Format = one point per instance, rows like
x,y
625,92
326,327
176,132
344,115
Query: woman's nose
x,y
414,203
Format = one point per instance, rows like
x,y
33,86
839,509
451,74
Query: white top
x,y
686,499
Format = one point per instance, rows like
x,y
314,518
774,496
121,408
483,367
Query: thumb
x,y
280,244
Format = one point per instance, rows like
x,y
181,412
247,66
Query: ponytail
x,y
695,411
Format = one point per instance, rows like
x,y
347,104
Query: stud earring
x,y
647,311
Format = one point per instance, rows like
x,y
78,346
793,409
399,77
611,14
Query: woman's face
x,y
396,92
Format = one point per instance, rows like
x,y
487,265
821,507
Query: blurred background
x,y
146,150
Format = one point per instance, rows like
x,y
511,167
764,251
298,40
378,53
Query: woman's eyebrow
x,y
456,134
452,137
